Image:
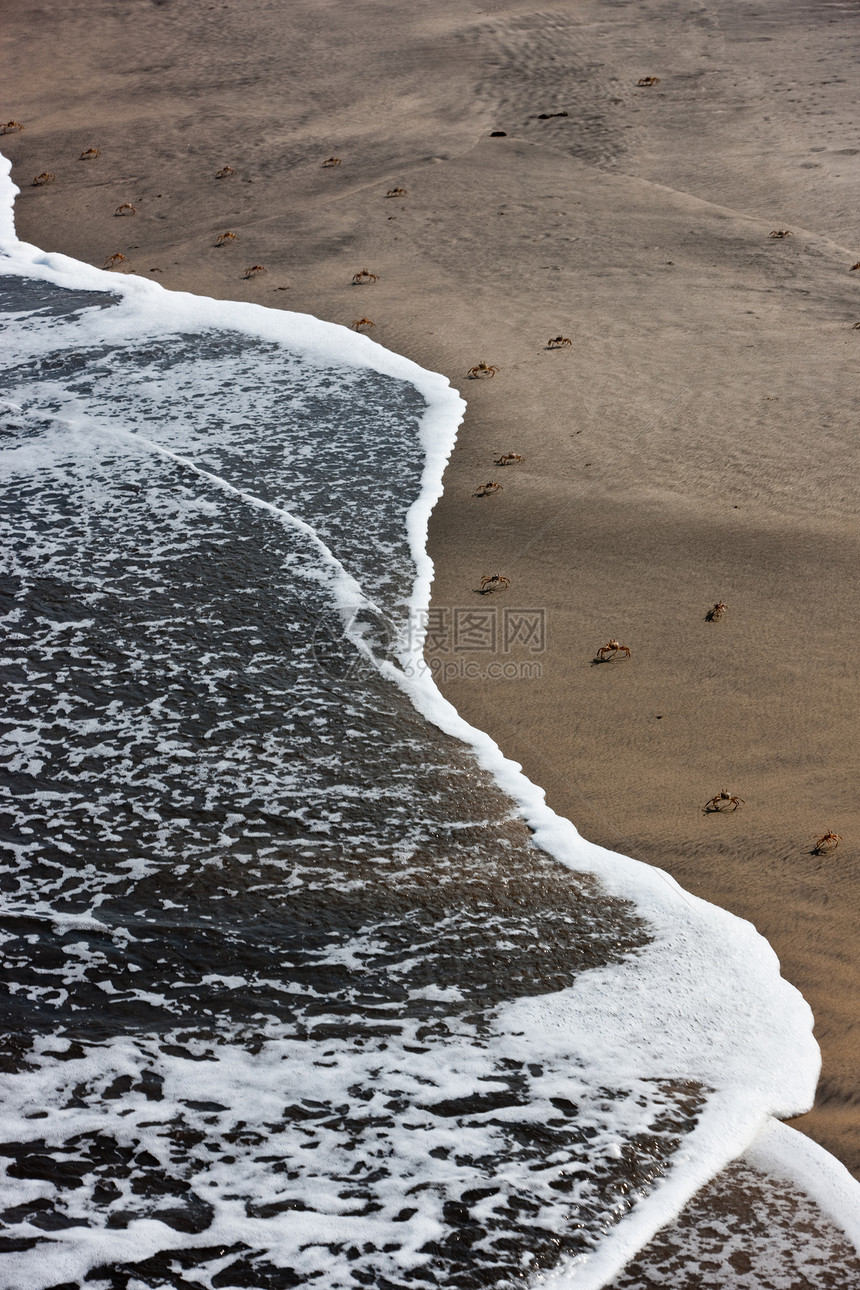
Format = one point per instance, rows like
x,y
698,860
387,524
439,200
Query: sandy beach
x,y
694,444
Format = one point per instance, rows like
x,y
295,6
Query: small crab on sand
x,y
611,650
715,614
494,581
482,369
487,490
829,842
362,322
224,239
254,270
508,459
89,154
721,801
125,209
45,178
364,275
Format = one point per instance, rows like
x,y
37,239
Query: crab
x,y
364,276
487,490
10,127
854,267
780,232
329,162
648,80
829,842
113,260
714,615
225,172
362,322
721,800
397,192
508,459
45,178
125,209
254,270
610,649
89,154
855,327
224,239
492,582
559,342
482,369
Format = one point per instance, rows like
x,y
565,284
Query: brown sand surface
x,y
695,443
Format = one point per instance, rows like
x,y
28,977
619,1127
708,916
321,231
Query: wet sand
x,y
694,443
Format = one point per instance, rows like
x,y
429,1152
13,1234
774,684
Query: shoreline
x,y
658,288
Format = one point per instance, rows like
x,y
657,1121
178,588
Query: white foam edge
x,y
783,1152
8,193
777,1068
776,1150
704,1153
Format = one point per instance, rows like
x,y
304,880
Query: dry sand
x,y
695,442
